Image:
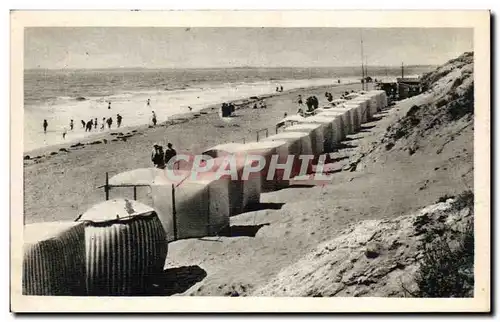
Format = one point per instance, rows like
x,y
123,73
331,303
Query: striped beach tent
x,y
54,259
125,244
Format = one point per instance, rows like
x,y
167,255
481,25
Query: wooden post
x,y
135,192
267,133
106,187
174,212
257,136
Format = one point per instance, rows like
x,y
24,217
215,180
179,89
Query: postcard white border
x,y
479,20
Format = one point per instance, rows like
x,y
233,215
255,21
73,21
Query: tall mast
x,y
402,71
362,64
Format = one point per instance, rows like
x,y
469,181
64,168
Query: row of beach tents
x,y
117,245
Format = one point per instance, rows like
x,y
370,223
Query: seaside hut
x,y
125,244
315,132
191,204
266,150
346,116
141,176
365,115
355,110
338,102
54,259
290,120
372,103
351,96
333,129
298,143
381,98
244,189
222,150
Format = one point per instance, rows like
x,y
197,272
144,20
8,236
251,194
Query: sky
x,y
159,47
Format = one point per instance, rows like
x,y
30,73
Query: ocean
x,y
61,95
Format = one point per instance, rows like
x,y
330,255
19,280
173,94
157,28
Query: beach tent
x,y
125,244
222,149
372,103
195,199
337,102
298,143
333,129
351,96
244,191
267,150
141,176
191,204
54,259
346,116
364,112
381,98
290,120
315,132
355,109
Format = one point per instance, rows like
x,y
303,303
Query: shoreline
x,y
109,135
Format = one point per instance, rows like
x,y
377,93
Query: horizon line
x,y
232,67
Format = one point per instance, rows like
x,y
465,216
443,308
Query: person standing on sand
x,y
64,133
45,124
83,124
95,123
190,108
71,125
169,153
300,100
109,121
148,102
118,119
281,88
89,126
154,118
157,157
109,105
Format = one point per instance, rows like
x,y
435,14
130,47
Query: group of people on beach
x,y
89,125
227,109
262,104
279,88
161,158
312,104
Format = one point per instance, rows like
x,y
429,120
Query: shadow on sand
x,y
173,281
243,231
265,205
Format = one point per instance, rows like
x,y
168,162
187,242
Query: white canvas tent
x,y
124,243
345,114
266,150
222,150
381,98
54,259
365,115
352,96
298,143
290,120
243,192
333,129
191,207
315,132
372,103
356,110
